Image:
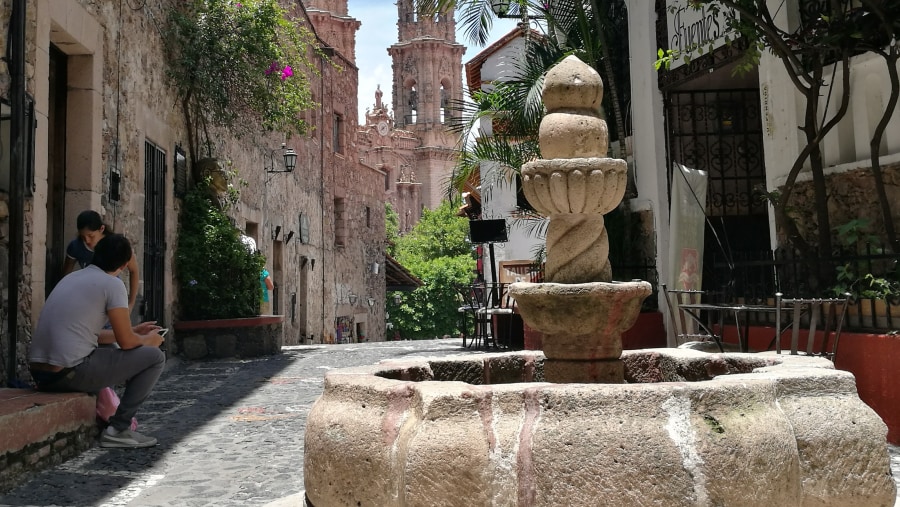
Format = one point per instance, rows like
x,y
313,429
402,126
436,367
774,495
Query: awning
x,y
397,277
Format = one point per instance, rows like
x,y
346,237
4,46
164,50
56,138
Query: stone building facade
x,y
108,136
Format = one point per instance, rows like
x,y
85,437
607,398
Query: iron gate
x,y
154,232
720,132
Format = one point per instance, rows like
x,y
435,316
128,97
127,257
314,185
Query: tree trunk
x,y
601,21
875,148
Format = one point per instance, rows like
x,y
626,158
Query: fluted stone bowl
x,y
688,429
575,185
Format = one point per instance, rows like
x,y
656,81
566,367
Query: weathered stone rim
x,y
701,369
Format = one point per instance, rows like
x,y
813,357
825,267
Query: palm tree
x,y
577,27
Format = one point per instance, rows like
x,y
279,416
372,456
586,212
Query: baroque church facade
x,y
408,139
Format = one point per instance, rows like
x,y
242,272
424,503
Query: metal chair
x,y
467,308
474,303
809,311
687,326
499,304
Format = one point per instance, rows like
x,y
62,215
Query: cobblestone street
x,y
230,432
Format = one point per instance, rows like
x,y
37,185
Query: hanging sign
x,y
694,32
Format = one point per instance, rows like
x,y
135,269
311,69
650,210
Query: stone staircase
x,y
40,430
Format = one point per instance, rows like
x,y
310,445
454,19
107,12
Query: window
x,y
368,216
336,137
340,222
27,142
445,103
181,177
413,103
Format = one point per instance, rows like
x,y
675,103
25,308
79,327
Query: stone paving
x,y
230,432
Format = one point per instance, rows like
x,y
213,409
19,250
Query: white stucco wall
x,y
649,139
498,195
846,147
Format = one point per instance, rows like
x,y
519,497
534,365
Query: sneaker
x,y
126,439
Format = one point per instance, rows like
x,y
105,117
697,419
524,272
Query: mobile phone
x,y
163,331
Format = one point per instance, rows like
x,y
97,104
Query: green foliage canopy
x,y
391,227
233,62
438,252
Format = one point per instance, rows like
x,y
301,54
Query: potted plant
x,y
219,283
872,295
875,295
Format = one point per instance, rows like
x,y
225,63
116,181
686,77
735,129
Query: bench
x,y
40,430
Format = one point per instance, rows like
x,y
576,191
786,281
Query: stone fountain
x,y
581,314
584,423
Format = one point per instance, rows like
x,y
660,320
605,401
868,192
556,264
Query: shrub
x,y
218,277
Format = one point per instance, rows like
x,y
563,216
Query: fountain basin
x,y
689,428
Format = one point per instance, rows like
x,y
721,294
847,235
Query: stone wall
x,y
851,195
252,337
118,100
40,430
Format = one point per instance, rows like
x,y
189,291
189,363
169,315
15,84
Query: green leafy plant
x,y
391,227
851,276
238,65
872,287
218,277
438,252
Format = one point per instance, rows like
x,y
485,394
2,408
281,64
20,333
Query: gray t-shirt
x,y
73,315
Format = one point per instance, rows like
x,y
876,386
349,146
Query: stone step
x,y
39,430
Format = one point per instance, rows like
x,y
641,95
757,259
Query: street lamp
x,y
500,8
290,160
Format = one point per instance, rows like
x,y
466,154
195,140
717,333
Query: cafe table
x,y
739,312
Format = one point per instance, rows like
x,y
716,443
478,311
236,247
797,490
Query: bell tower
x,y
427,68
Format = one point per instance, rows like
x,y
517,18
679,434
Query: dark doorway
x,y
56,169
154,232
720,132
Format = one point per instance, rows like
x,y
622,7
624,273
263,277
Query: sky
x,y
377,32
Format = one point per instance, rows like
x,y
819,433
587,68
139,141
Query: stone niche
x,y
687,428
226,338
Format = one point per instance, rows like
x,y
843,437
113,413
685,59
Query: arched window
x,y
413,103
445,102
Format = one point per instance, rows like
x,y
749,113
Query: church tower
x,y
427,68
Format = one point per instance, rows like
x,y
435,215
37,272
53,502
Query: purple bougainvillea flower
x,y
286,72
272,68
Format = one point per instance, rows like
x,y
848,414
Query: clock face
x,y
383,128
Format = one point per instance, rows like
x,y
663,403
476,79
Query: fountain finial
x,y
572,127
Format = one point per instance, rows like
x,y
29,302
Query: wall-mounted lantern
x,y
290,160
